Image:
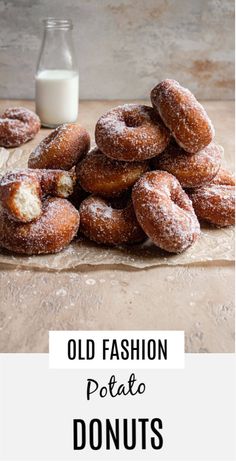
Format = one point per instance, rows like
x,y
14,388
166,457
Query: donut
x,y
215,204
191,170
224,177
183,115
21,191
131,132
57,183
102,223
100,175
52,232
17,126
165,212
62,148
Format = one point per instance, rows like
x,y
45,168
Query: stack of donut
x,y
155,173
36,216
164,167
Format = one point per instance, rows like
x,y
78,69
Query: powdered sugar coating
x,y
52,232
183,115
191,170
101,175
165,212
102,223
131,132
215,204
62,148
17,126
224,177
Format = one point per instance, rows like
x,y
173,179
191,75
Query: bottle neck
x,y
58,40
58,30
57,51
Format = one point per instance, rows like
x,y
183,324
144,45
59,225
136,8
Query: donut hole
x,y
131,121
179,199
120,201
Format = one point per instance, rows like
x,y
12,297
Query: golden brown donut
x,y
17,126
62,148
131,132
100,175
214,203
191,170
224,177
52,232
57,183
183,115
102,223
21,191
165,212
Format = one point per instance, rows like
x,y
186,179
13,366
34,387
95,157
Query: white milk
x,y
57,96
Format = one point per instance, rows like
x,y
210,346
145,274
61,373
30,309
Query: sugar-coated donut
x,y
165,212
131,132
102,223
183,115
57,183
21,191
17,126
191,170
214,203
52,232
224,177
101,175
62,148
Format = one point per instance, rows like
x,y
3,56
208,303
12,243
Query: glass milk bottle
x,y
57,76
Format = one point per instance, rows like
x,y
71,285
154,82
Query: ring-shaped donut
x,y
214,203
61,149
191,170
52,232
165,212
102,223
103,176
183,115
131,132
17,126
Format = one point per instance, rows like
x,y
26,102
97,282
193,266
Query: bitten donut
x,y
215,204
102,223
52,232
131,133
224,177
191,170
165,212
17,126
183,115
100,175
21,191
62,148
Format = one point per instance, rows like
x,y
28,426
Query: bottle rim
x,y
57,23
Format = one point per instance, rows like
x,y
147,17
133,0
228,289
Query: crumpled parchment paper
x,y
213,245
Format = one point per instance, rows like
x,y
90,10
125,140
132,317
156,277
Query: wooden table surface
x,y
196,298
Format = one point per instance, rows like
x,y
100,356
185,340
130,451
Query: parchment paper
x,y
213,245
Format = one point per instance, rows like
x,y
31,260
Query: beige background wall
x,y
125,46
